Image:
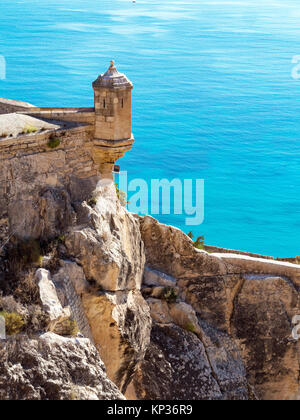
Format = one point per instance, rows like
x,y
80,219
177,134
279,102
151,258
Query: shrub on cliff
x,y
53,142
199,242
121,196
71,328
34,317
14,322
190,327
170,294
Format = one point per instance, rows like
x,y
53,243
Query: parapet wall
x,y
217,249
8,106
79,115
38,143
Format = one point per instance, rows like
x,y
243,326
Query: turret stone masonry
x,y
108,124
113,135
68,149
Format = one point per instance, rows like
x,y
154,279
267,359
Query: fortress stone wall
x,y
218,249
79,115
9,105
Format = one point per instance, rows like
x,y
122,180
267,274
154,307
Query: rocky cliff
x,y
158,318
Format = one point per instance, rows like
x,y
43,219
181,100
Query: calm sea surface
x,y
214,97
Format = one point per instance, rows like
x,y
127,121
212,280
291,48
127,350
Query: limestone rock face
x,y
211,296
108,246
50,301
202,278
157,278
120,324
56,212
72,272
262,324
177,367
71,284
227,364
160,311
53,368
37,203
185,316
172,252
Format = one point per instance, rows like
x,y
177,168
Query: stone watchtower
x,y
112,137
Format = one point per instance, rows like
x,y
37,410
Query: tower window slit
x,y
104,103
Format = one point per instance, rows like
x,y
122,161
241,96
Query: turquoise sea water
x,y
214,97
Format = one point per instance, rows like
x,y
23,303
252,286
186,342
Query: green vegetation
x,y
14,323
61,239
170,294
71,328
29,129
121,196
190,327
199,242
53,142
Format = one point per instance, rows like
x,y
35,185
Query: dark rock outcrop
x,y
191,368
53,368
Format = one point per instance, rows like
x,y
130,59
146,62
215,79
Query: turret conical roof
x,y
112,79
